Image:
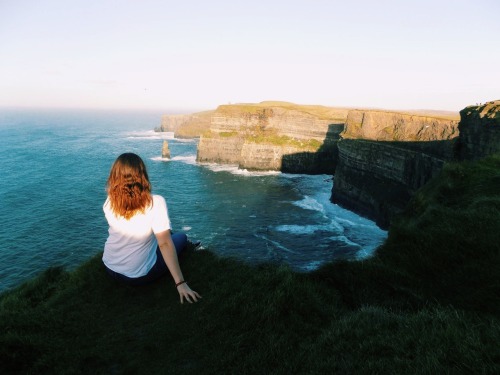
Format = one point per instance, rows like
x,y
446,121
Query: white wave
x,y
185,140
309,203
187,159
353,220
275,243
366,252
345,240
159,158
234,169
300,229
311,266
345,221
333,227
186,228
149,134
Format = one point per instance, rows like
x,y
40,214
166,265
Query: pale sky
x,y
196,55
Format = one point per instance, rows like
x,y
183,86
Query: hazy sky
x,y
194,55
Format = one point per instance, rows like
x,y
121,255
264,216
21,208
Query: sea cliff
x,y
186,125
274,136
479,131
385,157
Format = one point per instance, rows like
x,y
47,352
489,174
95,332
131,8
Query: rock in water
x,y
165,151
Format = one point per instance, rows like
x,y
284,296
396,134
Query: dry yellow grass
x,y
331,113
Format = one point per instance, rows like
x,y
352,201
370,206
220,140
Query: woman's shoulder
x,y
106,204
158,199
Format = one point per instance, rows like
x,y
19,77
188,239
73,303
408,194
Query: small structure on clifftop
x,y
165,151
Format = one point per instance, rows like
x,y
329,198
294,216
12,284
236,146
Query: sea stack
x,y
165,151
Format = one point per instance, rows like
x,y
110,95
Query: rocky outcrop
x,y
165,151
186,126
274,136
479,131
384,157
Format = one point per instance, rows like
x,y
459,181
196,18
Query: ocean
x,y
54,166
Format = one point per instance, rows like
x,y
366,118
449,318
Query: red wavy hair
x,y
128,186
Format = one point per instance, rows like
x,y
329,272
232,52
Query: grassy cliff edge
x,y
428,302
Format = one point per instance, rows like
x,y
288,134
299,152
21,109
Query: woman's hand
x,y
169,253
186,292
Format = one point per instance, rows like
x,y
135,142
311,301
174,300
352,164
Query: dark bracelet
x,y
180,283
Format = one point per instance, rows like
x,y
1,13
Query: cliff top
x,y
319,111
427,113
338,113
489,110
199,114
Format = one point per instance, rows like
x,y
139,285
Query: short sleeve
x,y
161,220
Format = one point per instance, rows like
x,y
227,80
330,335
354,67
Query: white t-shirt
x,y
131,245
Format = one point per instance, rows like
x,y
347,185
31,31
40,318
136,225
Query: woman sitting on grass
x,y
140,247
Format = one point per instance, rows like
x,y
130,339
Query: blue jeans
x,y
159,268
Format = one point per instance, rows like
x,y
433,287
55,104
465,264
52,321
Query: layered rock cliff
x,y
170,123
384,157
186,126
479,131
274,136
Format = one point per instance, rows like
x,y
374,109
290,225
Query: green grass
x,y
199,123
228,134
268,137
334,114
427,303
271,138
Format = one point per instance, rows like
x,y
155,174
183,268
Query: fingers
x,y
190,297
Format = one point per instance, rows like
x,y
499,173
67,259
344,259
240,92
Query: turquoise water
x,y
54,166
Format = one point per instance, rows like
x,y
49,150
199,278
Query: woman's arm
x,y
169,254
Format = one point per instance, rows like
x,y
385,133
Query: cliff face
x,y
170,123
223,150
384,157
273,136
479,131
186,126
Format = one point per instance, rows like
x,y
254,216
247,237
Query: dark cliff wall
x,y
376,179
479,131
384,157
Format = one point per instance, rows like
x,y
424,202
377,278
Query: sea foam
x,y
310,203
234,169
149,134
186,159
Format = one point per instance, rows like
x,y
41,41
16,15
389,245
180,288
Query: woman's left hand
x,y
187,293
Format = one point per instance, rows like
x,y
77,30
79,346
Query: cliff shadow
x,y
322,161
446,149
378,178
